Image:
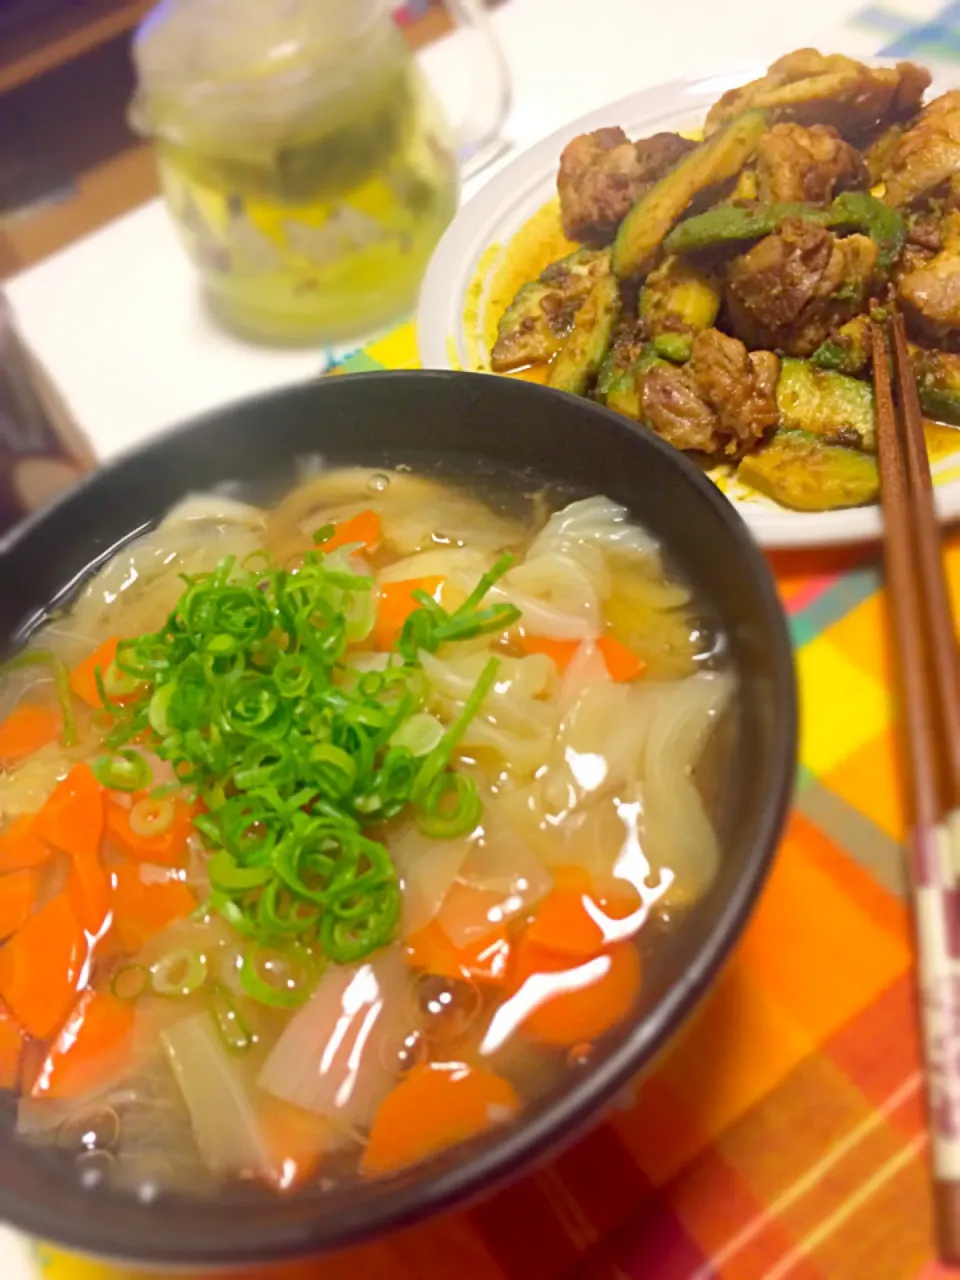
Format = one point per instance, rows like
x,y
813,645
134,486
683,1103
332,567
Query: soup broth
x,y
338,832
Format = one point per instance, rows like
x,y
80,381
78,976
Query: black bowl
x,y
384,418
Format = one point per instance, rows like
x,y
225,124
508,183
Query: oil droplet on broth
x,y
95,1168
94,1130
411,1053
448,1006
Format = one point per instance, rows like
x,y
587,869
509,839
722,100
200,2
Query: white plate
x,y
448,339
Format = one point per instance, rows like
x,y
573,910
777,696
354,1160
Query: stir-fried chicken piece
x,y
722,401
603,173
878,154
809,87
796,286
924,241
809,165
927,157
930,294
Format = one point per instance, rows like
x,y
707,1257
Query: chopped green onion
x,y
61,683
420,734
179,973
451,808
250,698
125,771
430,626
231,1028
152,816
226,873
438,759
159,708
117,683
130,981
283,978
348,940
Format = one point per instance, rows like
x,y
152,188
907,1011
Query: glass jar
x,y
303,158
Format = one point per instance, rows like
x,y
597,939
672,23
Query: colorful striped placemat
x,y
783,1135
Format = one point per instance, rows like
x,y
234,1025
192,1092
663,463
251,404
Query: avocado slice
x,y
645,227
827,404
803,471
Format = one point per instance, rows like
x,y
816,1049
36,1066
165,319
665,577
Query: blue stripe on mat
x,y
937,37
835,603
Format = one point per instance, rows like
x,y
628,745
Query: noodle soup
x,y
338,833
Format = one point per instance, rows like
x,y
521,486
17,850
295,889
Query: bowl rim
x,y
576,1108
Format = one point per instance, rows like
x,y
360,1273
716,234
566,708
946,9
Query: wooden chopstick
x,y
930,691
944,655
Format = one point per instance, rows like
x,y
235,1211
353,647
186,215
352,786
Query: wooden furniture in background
x,y
33,48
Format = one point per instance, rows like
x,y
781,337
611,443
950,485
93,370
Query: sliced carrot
x,y
18,894
396,605
31,1060
296,1140
11,1050
72,817
20,846
40,967
561,651
141,910
575,919
563,1001
26,729
168,849
435,1106
621,663
83,677
93,1046
486,961
363,528
89,891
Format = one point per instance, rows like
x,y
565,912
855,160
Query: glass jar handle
x,y
479,136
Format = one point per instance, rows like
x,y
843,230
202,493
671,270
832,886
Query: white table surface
x,y
117,318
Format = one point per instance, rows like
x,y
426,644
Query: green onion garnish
x,y
61,682
231,1028
125,771
178,973
248,692
130,981
281,977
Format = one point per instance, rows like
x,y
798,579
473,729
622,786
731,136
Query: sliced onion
x,y
427,868
213,508
225,1124
500,879
329,1058
440,562
586,668
540,617
596,520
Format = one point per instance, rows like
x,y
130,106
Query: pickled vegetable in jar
x,y
305,164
